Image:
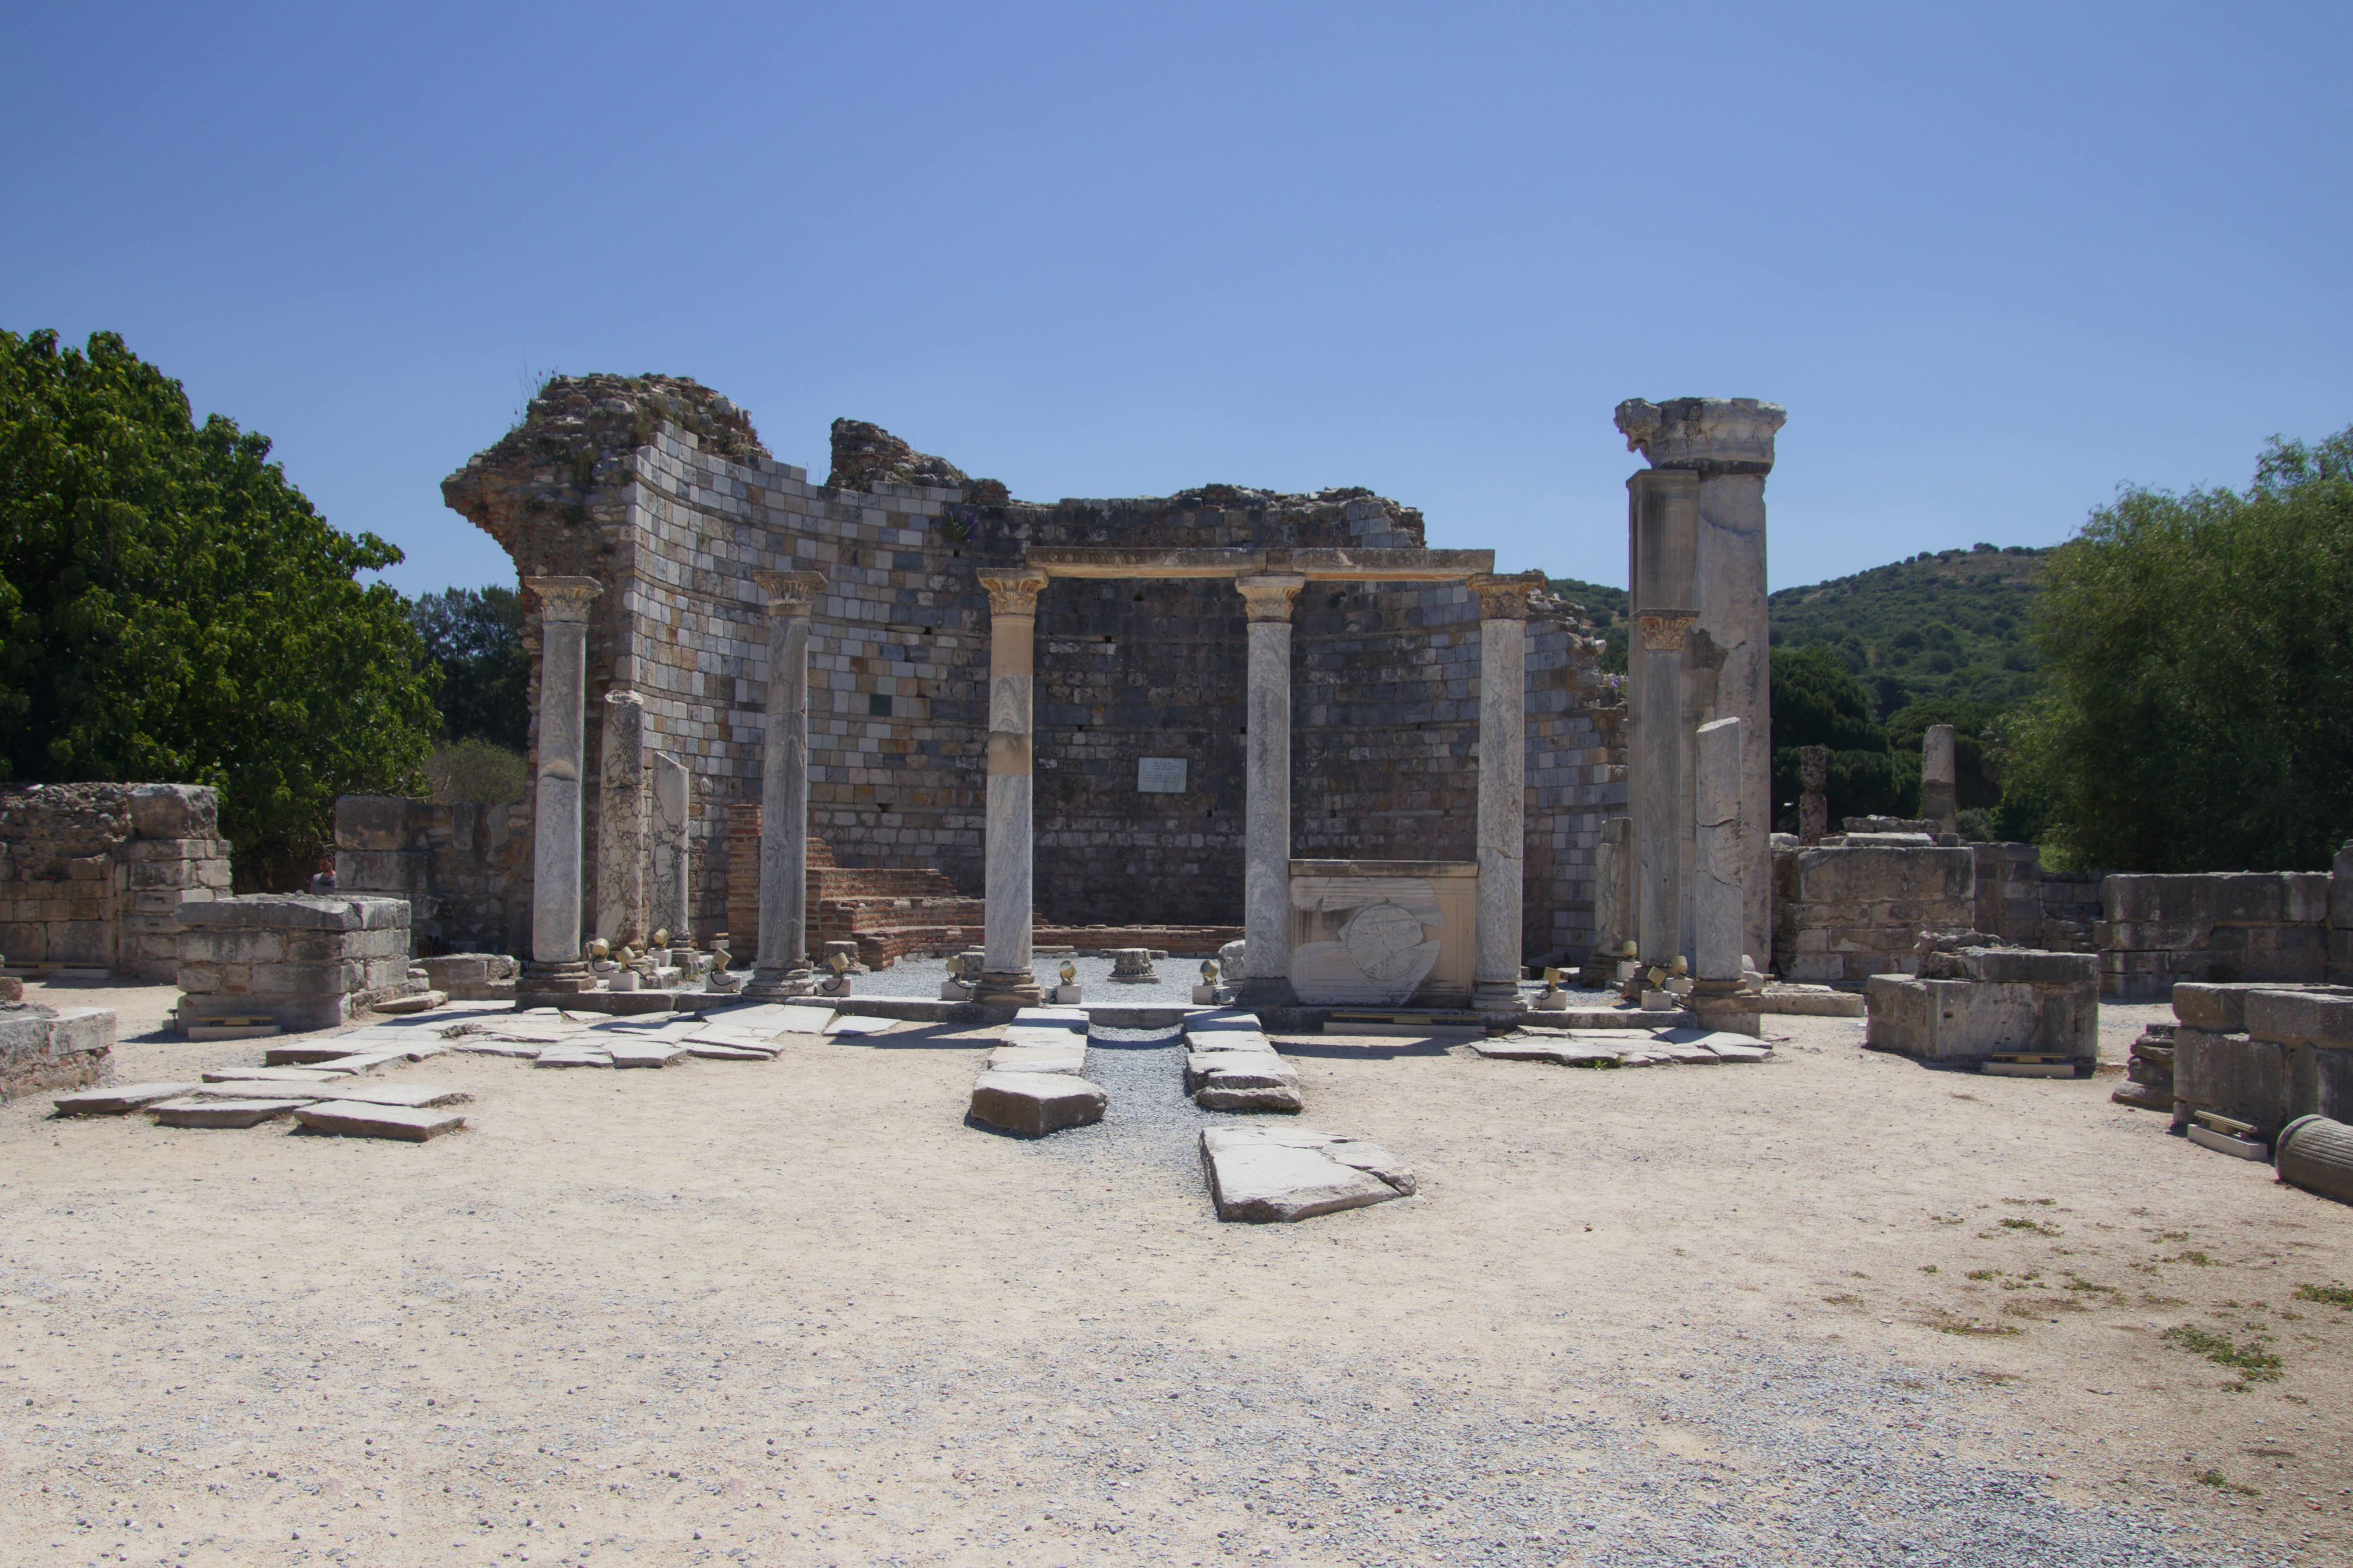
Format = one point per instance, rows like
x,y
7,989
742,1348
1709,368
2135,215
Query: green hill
x,y
1944,626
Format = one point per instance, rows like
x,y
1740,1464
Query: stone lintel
x,y
1320,565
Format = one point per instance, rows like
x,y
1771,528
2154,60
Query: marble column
x,y
1719,906
1502,787
621,822
556,961
672,888
1813,806
1266,865
1613,897
1663,516
781,967
1939,781
1728,444
1007,977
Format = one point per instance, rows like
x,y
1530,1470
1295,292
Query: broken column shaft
x,y
781,967
1007,976
555,961
1266,870
621,822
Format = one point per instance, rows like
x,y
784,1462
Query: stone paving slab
x,y
712,1051
483,1046
277,1075
118,1097
262,1088
853,1026
572,1056
351,1119
222,1112
1263,1174
1033,1104
1040,1059
650,1054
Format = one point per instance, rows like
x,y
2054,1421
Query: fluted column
x,y
1266,865
555,961
781,968
1726,444
1007,976
621,822
1502,786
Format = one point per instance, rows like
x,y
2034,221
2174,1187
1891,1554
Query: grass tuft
x,y
2253,1362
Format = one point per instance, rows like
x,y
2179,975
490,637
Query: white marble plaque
x,y
1160,775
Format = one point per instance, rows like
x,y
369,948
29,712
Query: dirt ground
x,y
799,1312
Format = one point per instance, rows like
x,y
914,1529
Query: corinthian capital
x,y
564,598
789,593
1267,595
1706,434
1664,632
1504,597
1012,590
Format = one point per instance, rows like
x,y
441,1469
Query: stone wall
x,y
659,489
2263,1055
464,870
1844,912
307,962
94,874
2223,927
43,1049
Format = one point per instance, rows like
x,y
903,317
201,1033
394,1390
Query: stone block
x,y
372,822
2025,966
2239,897
1033,1104
2151,936
190,1112
352,1118
1262,1175
2233,1074
2320,1081
1877,873
119,1098
282,911
2299,1017
2305,897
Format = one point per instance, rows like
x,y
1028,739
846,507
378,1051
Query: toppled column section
x,y
1035,1082
1229,1065
304,961
2003,1009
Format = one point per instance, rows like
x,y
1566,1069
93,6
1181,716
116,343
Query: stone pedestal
x,y
1718,901
621,823
1266,869
1007,976
1132,966
781,967
555,963
670,885
1726,445
1502,786
1939,779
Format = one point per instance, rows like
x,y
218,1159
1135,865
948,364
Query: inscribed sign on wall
x,y
1160,775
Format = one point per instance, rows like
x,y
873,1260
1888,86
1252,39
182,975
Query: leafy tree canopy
x,y
1817,702
475,636
172,611
2198,651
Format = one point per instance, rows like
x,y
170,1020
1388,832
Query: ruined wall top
x,y
1706,434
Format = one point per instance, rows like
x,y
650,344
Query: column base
x,y
1498,1000
1265,990
1725,1005
768,985
564,974
1009,988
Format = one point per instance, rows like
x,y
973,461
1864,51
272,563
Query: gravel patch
x,y
922,977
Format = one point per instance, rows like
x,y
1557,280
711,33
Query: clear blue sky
x,y
1994,259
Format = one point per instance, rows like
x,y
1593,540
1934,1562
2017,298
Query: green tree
x,y
2198,655
1816,702
172,611
475,636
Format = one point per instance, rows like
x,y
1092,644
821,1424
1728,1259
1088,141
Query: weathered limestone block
x,y
1268,1174
1033,1104
2233,1075
306,961
44,1047
118,1099
352,1119
2004,1001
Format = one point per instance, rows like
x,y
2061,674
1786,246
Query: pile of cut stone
x,y
1230,1065
1626,1047
1035,1081
2148,1075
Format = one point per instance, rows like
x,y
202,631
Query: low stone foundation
x,y
44,1049
2263,1055
2223,927
1975,1003
1845,912
307,962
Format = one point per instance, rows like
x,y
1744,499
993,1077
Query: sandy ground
x,y
799,1312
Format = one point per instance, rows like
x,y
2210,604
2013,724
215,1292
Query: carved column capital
x,y
789,593
1267,595
1012,590
1705,435
1663,633
564,598
1504,597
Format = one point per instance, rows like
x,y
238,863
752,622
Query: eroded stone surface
x,y
352,1118
120,1098
1283,1173
1033,1104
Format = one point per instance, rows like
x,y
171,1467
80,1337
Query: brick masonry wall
x,y
1386,688
92,874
